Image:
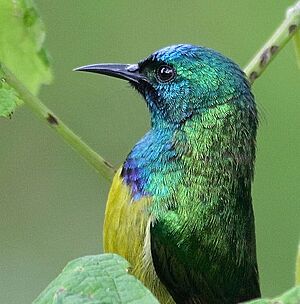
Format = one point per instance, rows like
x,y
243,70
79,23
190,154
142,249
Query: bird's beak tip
x,y
78,69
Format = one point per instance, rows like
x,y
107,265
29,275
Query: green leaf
x,y
9,99
290,297
96,279
293,12
21,50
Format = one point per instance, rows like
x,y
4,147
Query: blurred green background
x,y
52,202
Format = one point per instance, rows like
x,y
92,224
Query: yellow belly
x,y
127,233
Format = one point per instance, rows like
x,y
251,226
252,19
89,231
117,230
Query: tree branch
x,y
36,105
288,28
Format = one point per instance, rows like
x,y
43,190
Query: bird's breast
x,y
127,233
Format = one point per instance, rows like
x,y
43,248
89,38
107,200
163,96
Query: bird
x,y
180,207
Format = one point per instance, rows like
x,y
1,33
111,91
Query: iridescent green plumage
x,y
194,168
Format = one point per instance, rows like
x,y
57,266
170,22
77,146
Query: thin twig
x,y
36,105
278,40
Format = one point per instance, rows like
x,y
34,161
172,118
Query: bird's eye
x,y
165,73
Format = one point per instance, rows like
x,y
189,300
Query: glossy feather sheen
x,y
180,208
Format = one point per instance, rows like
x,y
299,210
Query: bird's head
x,y
180,81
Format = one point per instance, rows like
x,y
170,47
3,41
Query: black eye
x,y
165,73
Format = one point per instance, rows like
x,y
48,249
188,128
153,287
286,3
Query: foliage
x,y
290,297
96,279
22,35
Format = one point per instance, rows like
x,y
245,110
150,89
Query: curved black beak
x,y
128,72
